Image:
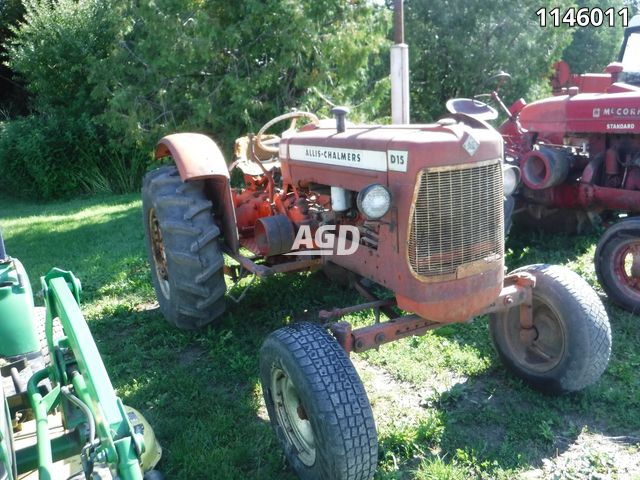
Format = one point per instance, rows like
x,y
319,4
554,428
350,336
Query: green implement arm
x,y
98,428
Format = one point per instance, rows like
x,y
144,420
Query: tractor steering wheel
x,y
267,147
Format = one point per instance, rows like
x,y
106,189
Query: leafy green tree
x,y
226,67
54,51
455,46
12,93
134,71
593,48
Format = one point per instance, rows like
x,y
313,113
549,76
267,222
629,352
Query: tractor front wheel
x,y
182,244
317,405
617,262
571,341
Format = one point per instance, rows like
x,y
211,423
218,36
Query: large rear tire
x,y
317,405
572,341
617,262
184,253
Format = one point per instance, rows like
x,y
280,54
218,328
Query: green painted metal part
x,y
18,334
5,451
98,426
62,447
84,374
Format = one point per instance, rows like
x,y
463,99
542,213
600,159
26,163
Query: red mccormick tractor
x,y
416,209
579,155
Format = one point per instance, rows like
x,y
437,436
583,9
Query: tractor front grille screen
x,y
456,219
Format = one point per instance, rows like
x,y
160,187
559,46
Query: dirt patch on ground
x,y
190,355
392,399
592,456
589,455
147,307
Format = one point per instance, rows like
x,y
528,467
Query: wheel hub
x,y
159,255
545,345
626,266
292,416
537,346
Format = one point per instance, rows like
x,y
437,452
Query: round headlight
x,y
374,201
510,179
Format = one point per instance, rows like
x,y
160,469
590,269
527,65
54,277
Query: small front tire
x,y
317,405
572,341
617,263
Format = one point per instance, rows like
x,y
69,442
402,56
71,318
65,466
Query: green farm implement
x,y
60,417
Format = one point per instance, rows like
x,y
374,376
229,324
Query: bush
x,y
225,68
43,155
115,76
55,50
63,148
55,156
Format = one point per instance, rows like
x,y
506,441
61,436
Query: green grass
x,y
452,411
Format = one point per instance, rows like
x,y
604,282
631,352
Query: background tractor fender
x,y
197,156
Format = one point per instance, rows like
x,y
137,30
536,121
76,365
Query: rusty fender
x,y
197,156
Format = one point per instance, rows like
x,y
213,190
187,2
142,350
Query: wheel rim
x,y
159,255
626,267
292,416
547,348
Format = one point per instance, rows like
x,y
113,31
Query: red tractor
x,y
415,209
579,157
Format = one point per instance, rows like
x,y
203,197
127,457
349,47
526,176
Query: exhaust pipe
x,y
3,251
399,69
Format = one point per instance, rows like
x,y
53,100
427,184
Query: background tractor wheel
x,y
617,262
572,341
184,254
317,405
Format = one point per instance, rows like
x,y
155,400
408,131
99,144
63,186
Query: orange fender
x,y
197,156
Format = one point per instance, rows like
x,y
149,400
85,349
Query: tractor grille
x,y
456,220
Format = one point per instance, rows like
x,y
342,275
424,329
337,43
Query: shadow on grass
x,y
201,390
528,246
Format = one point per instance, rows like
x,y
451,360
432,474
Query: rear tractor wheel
x,y
617,262
317,405
183,249
570,345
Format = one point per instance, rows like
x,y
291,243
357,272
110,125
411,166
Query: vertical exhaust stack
x,y
3,250
399,69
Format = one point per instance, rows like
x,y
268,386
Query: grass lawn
x,y
444,405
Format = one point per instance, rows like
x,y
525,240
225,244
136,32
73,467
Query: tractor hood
x,y
586,112
366,154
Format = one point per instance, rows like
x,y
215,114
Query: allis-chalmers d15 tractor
x,y
416,209
579,155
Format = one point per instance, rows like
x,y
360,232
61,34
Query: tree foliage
x,y
226,67
12,95
456,46
138,70
593,48
59,149
108,78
